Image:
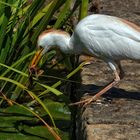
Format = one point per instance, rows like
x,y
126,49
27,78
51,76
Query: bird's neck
x,y
62,42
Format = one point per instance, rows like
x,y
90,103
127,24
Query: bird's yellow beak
x,y
32,67
36,58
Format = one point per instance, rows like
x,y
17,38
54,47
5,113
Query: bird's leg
x,y
109,86
121,74
97,95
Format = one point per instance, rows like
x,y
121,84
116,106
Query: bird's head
x,y
48,40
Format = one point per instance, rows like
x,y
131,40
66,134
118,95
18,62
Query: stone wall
x,y
128,9
116,115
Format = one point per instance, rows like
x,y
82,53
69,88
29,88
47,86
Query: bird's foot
x,y
96,96
89,101
84,102
36,71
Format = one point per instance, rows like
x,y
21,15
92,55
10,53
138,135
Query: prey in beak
x,y
33,66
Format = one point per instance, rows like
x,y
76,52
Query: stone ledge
x,y
116,115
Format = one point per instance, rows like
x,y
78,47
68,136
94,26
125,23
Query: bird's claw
x,y
36,71
33,70
84,102
88,102
87,63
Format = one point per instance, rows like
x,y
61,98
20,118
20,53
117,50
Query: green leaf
x,y
18,119
55,91
39,16
31,94
58,110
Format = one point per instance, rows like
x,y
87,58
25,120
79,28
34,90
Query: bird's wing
x,y
107,24
110,30
110,38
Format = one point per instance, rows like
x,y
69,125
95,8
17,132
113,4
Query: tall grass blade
x,y
62,16
83,9
67,77
45,20
16,63
31,94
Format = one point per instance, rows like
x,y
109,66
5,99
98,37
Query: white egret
x,y
109,38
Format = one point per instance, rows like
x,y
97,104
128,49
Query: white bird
x,y
106,37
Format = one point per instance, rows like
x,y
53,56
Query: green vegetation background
x,y
24,109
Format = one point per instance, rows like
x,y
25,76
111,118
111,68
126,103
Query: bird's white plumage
x,y
107,37
53,39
